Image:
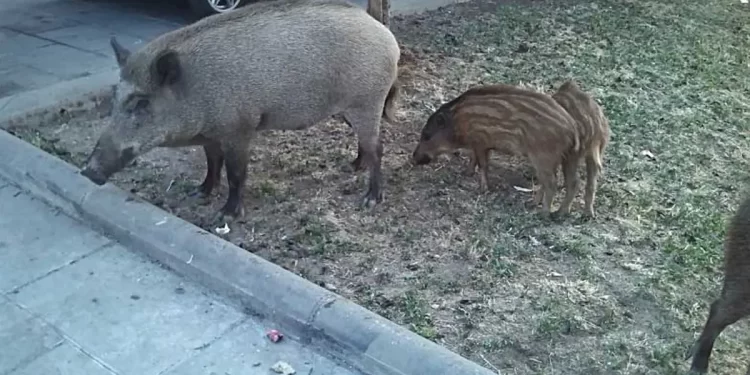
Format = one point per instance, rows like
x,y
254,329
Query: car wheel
x,y
203,8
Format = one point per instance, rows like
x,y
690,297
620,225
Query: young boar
x,y
593,130
283,64
733,303
509,120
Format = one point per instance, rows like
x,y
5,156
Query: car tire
x,y
205,8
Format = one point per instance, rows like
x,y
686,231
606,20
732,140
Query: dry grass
x,y
480,274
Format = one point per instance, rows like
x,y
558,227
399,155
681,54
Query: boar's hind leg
x,y
214,164
366,123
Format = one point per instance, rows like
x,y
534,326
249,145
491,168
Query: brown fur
x,y
219,81
507,119
593,130
733,303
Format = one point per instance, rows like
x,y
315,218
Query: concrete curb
x,y
363,339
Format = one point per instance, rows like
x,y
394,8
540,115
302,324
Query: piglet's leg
x,y
546,170
481,158
572,182
472,167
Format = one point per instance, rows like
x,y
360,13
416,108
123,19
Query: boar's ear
x,y
121,53
166,69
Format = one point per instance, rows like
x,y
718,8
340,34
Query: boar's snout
x,y
420,158
105,161
94,175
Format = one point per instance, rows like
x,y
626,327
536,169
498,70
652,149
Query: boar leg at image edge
x,y
214,164
723,312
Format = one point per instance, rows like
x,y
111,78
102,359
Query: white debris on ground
x,y
283,368
224,230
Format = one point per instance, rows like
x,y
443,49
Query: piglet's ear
x,y
445,120
121,53
166,69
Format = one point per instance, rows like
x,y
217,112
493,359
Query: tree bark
x,y
386,13
380,10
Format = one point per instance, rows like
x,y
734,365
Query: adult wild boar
x,y
284,64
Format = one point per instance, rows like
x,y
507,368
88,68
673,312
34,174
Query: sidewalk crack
x,y
68,339
107,245
205,346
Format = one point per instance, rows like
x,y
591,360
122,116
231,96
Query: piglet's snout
x,y
94,175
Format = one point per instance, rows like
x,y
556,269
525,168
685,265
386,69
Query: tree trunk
x,y
386,12
380,10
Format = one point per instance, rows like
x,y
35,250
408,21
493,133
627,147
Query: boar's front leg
x,y
358,163
235,160
214,164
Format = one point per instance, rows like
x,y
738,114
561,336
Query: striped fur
x,y
593,130
509,120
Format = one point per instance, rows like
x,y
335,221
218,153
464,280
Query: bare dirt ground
x,y
480,273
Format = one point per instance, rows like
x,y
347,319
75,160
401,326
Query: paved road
x,y
74,302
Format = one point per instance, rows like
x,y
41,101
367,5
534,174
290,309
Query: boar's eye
x,y
141,104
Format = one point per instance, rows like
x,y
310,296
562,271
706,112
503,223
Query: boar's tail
x,y
389,110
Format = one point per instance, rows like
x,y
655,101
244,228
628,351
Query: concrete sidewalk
x,y
75,302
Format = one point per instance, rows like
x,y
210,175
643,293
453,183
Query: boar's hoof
x,y
691,350
229,213
371,199
546,215
558,215
199,192
95,176
421,159
589,215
